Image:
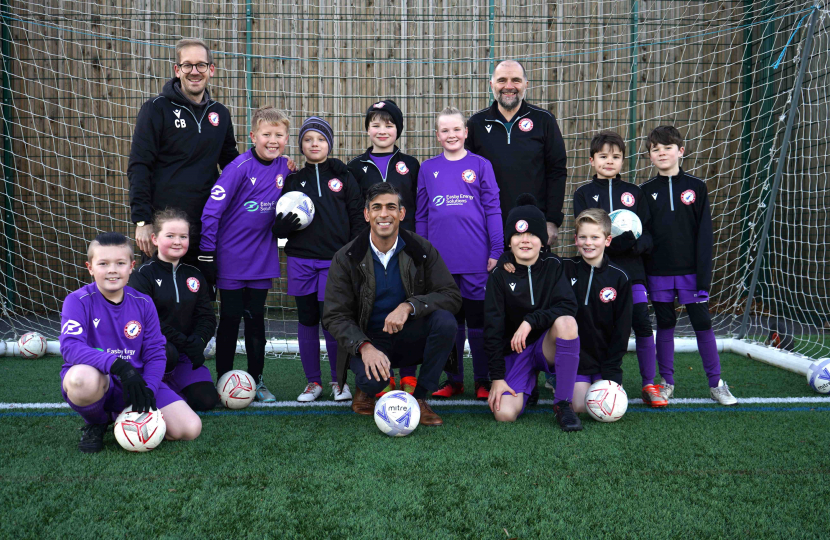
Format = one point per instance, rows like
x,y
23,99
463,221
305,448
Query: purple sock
x,y
92,414
665,353
566,363
480,369
309,339
460,337
647,358
707,346
331,349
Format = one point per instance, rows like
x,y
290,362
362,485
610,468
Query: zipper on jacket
x,y
590,280
198,120
530,280
671,195
511,125
384,177
317,170
610,196
175,284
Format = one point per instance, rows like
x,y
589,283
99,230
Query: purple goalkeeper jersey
x,y
96,332
459,211
238,216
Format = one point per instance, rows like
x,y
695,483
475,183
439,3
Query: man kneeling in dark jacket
x,y
389,295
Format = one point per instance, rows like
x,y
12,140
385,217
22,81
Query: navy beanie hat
x,y
526,217
315,123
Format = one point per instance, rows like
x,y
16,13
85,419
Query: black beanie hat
x,y
526,217
392,108
315,123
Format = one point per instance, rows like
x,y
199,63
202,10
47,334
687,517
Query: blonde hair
x,y
597,216
269,115
450,111
192,42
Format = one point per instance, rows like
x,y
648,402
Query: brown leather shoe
x,y
363,403
428,416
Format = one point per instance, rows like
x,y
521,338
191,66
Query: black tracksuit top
x,y
338,210
528,158
538,294
620,196
176,147
604,317
402,172
181,297
681,226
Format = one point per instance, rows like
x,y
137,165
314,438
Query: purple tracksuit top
x,y
459,211
238,216
96,332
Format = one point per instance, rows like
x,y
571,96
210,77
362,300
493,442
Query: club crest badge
x,y
688,197
525,124
608,294
132,330
469,176
401,167
627,199
521,226
193,284
378,105
335,185
280,181
213,118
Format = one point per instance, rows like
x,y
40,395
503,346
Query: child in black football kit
x,y
529,323
603,294
609,192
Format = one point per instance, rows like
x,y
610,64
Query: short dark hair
x,y
379,116
382,188
611,138
168,214
109,239
665,135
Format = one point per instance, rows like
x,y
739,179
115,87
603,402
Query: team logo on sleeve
x,y
401,167
280,181
525,124
627,199
217,193
521,226
213,118
608,294
72,328
469,176
193,284
335,185
688,197
132,330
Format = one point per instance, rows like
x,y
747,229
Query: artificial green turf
x,y
708,473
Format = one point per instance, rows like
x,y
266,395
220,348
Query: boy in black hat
x,y
529,320
384,162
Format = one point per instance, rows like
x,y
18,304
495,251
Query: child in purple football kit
x,y
180,294
459,213
680,265
110,329
529,323
603,294
609,192
338,218
237,246
384,162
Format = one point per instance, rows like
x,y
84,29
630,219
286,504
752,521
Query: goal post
x,y
726,74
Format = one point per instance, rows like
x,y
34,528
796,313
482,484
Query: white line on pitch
x,y
461,403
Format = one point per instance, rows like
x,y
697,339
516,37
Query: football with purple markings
x,y
397,414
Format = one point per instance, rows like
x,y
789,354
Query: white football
x,y
606,401
236,388
139,431
397,414
299,203
31,345
818,376
625,220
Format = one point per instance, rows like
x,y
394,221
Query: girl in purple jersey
x,y
238,251
458,211
110,329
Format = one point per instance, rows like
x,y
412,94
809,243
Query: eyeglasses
x,y
201,67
